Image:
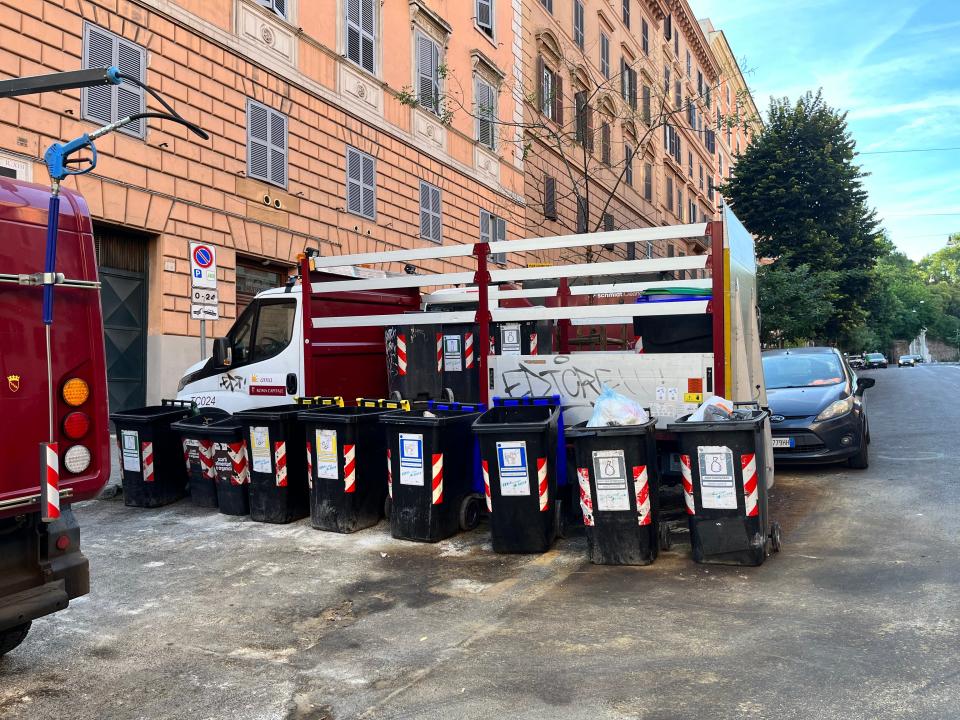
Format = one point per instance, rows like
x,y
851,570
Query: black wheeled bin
x,y
231,468
432,464
460,362
523,472
198,455
619,491
151,464
414,361
275,443
346,450
723,464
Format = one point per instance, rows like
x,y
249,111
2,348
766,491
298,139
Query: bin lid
x,y
516,418
202,419
681,425
439,417
280,413
349,415
149,414
581,430
228,428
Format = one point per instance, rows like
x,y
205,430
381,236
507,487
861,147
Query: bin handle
x,y
384,404
320,400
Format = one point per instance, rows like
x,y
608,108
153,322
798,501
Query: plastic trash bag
x,y
715,408
612,408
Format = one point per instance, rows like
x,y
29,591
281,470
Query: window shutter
x,y
628,161
278,6
607,222
648,182
436,221
588,139
485,15
633,89
98,52
486,98
278,148
499,230
578,23
605,143
431,222
626,13
131,60
623,78
558,98
550,198
484,226
668,27
631,251
581,215
258,141
360,32
541,90
369,188
646,104
361,184
428,87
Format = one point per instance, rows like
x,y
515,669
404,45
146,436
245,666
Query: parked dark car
x,y
907,361
818,414
855,361
874,360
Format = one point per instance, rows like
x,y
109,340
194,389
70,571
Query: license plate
x,y
784,442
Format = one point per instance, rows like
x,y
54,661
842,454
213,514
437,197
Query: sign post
x,y
203,288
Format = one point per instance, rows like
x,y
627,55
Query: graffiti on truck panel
x,y
561,375
232,383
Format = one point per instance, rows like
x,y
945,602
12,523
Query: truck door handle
x,y
291,383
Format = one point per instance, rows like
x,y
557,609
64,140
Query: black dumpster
x,y
198,454
414,360
522,472
619,484
724,484
432,465
346,447
460,362
230,466
275,442
151,465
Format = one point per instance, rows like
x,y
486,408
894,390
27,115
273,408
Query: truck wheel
x,y
470,512
9,639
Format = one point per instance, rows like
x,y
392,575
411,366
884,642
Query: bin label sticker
x,y
260,449
673,394
510,339
512,462
718,490
131,450
327,459
222,464
411,459
610,476
193,450
452,353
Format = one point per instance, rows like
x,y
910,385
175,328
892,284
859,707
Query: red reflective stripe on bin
x,y
641,489
50,492
389,475
309,465
586,501
206,458
533,343
437,478
749,465
402,353
439,352
238,457
687,484
146,455
349,469
468,350
542,483
280,457
486,485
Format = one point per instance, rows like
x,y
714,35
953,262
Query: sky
x,y
894,67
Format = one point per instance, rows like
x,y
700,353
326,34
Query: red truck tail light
x,y
77,459
76,425
75,392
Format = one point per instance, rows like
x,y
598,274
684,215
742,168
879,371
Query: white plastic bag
x,y
715,408
612,408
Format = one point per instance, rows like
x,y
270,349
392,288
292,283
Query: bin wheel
x,y
387,507
663,536
395,395
776,537
560,520
470,512
448,395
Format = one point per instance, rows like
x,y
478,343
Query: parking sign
x,y
203,265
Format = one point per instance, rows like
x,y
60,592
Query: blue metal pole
x,y
50,264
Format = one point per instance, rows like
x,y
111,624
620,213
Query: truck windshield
x,y
804,370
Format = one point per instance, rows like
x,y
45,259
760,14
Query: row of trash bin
x,y
434,468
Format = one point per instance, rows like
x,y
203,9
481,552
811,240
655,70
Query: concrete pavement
x,y
196,615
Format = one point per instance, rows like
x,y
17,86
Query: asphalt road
x,y
195,615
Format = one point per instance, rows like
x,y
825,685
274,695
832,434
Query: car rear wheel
x,y
861,461
9,639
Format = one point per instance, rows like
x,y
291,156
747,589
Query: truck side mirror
x,y
864,384
222,353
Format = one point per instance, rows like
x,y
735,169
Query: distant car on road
x,y
818,414
907,361
874,360
855,361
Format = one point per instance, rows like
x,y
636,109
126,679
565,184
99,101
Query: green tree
x,y
794,303
798,190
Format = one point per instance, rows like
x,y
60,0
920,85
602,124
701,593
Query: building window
x,y
550,197
428,73
431,220
668,27
605,55
486,112
608,225
628,83
646,104
648,182
689,163
107,104
677,94
720,165
680,204
701,177
361,33
277,6
710,188
548,4
266,144
581,215
578,23
666,81
626,13
676,45
361,184
605,144
493,229
551,92
485,16
689,65
709,96
628,162
645,37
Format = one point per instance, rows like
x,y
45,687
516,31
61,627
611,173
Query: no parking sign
x,y
203,265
